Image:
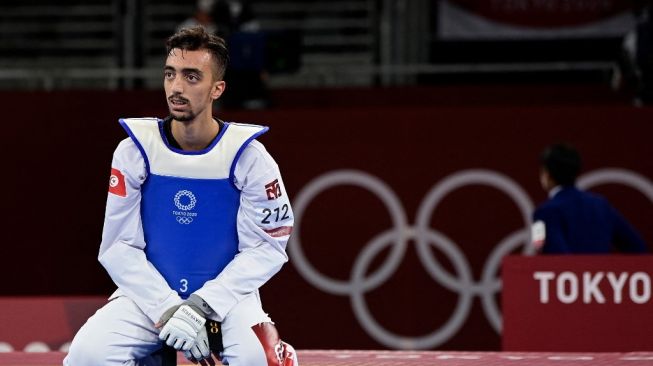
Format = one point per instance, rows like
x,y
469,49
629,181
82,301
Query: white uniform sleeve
x,y
121,250
265,221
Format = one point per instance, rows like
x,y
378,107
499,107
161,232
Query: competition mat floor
x,y
403,358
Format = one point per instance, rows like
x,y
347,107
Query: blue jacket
x,y
578,222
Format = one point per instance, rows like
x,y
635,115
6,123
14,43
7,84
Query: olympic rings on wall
x,y
398,236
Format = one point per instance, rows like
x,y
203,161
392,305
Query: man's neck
x,y
194,135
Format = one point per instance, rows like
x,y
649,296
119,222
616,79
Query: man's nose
x,y
177,85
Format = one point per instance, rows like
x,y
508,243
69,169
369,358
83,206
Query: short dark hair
x,y
196,38
563,163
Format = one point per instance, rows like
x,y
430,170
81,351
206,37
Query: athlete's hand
x,y
200,352
181,324
181,327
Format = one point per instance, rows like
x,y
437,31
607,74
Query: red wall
x,y
58,153
32,322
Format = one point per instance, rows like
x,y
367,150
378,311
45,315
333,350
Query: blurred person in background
x,y
232,16
203,16
573,221
235,21
223,17
636,66
197,220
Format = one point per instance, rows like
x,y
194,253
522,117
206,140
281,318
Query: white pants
x,y
121,334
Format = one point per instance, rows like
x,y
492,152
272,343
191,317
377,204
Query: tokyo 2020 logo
x,y
185,217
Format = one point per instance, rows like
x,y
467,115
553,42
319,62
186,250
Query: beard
x,y
189,116
181,116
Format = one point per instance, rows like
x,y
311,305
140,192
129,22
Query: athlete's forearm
x,y
249,271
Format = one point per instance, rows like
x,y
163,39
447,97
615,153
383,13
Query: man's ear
x,y
217,89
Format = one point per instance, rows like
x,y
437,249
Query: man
x,y
573,221
197,219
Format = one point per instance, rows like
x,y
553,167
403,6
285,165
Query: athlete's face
x,y
190,84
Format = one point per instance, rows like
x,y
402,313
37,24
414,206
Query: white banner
x,y
532,19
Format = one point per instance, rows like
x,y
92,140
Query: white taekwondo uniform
x,y
213,222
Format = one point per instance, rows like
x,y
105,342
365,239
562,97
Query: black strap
x,y
168,356
214,334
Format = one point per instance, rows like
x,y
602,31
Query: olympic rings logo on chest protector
x,y
184,220
398,236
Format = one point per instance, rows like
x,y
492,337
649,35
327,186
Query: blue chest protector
x,y
189,204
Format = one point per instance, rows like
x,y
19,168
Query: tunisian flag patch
x,y
117,183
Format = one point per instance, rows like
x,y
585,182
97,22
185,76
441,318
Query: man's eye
x,y
167,74
192,78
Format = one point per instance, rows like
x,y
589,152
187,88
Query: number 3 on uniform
x,y
184,285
